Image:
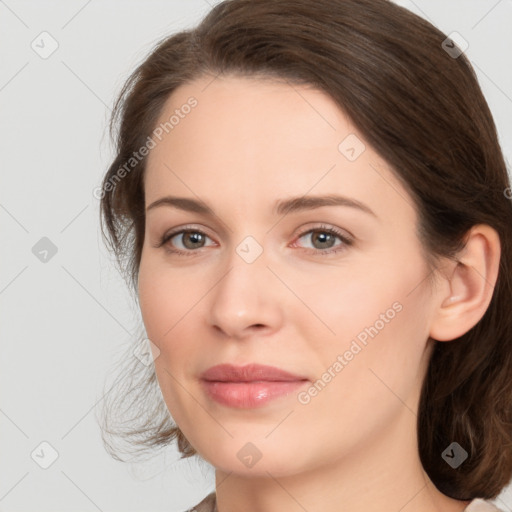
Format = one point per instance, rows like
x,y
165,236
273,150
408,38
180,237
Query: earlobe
x,y
469,285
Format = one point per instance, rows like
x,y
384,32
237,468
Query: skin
x,y
248,144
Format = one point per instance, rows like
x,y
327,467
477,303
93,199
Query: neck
x,y
385,475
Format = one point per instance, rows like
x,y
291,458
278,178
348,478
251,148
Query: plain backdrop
x,y
66,313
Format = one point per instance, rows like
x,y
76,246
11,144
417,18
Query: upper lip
x,y
248,373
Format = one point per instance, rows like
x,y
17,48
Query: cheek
x,y
363,385
170,299
156,306
380,320
164,303
347,303
166,296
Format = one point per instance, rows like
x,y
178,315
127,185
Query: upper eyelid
x,y
346,238
320,225
181,230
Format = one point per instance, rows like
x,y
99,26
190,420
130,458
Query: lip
x,y
248,386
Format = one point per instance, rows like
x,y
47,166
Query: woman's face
x,y
333,292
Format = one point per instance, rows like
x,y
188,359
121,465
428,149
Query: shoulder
x,y
481,505
208,504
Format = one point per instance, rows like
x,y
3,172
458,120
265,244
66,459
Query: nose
x,y
247,300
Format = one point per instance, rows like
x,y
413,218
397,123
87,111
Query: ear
x,y
467,285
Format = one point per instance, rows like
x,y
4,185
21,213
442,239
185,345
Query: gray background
x,y
65,321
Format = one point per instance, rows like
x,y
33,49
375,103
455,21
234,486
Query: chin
x,y
255,458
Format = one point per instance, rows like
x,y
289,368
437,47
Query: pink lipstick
x,y
249,386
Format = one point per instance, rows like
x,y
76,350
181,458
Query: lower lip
x,y
249,395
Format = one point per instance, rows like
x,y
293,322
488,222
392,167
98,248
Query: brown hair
x,y
420,106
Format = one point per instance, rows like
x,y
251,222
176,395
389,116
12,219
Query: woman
x,y
314,210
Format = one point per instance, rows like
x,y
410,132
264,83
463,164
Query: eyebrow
x,y
282,207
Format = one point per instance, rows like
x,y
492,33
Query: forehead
x,y
249,140
246,114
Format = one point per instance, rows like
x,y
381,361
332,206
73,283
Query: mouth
x,y
249,386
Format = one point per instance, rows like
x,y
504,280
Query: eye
x,y
188,240
185,241
323,239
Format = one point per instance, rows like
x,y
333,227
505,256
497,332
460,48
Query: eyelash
x,y
347,242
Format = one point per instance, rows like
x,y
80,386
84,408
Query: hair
x,y
421,108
